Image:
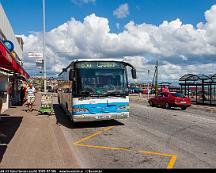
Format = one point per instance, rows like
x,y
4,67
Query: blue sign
x,y
9,45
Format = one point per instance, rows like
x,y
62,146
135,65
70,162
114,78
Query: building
x,y
11,70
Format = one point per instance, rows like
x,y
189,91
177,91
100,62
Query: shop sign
x,y
35,55
9,45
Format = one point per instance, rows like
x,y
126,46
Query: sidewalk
x,y
33,141
143,99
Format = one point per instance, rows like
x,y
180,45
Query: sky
x,y
180,33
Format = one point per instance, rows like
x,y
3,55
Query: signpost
x,y
44,45
148,85
35,55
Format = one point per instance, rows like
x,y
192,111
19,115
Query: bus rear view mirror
x,y
71,74
133,72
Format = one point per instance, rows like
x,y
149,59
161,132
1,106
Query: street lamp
x,y
148,84
44,44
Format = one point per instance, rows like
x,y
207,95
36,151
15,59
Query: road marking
x,y
79,143
172,162
95,134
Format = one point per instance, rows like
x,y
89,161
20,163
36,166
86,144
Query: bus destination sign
x,y
96,65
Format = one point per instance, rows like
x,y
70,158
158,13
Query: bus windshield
x,y
101,82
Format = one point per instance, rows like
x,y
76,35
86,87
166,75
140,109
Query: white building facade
x,y
11,70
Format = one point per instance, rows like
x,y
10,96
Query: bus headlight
x,y
123,108
80,110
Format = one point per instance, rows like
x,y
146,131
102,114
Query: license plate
x,y
183,102
103,116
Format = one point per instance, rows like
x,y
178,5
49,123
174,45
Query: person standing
x,y
22,93
2,135
30,97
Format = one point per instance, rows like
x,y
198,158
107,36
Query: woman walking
x,y
31,97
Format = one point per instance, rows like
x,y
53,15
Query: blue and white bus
x,y
95,89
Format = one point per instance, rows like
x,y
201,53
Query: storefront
x,y
11,70
11,74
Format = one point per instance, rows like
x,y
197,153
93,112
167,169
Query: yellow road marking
x,y
78,143
91,136
172,162
103,147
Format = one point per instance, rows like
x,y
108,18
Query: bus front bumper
x,y
100,117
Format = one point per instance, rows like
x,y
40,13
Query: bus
x,y
95,89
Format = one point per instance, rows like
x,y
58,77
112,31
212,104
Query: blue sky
x,y
186,41
26,15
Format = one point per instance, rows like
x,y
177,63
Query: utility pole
x,y
148,84
156,78
44,45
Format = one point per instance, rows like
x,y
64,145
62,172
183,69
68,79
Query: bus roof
x,y
103,59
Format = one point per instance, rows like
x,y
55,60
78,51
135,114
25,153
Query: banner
x,y
39,63
35,55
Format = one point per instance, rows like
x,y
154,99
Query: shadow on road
x,y
8,126
2,151
64,120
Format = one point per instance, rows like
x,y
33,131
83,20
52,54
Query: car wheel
x,y
167,106
183,108
151,103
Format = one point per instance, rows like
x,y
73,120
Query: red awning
x,y
8,62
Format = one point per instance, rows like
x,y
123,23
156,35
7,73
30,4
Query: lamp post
x,y
44,44
148,84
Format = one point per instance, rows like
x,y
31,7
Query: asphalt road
x,y
150,138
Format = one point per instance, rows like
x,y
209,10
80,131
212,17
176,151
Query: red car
x,y
171,99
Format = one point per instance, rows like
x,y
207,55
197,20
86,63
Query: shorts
x,y
31,99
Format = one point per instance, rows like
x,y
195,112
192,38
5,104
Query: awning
x,y
8,62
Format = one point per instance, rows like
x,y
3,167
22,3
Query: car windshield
x,y
102,82
178,95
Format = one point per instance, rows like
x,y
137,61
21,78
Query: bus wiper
x,y
115,93
84,93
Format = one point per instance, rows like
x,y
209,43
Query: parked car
x,y
170,99
134,89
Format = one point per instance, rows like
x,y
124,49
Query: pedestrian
x,y
1,105
30,96
22,93
2,136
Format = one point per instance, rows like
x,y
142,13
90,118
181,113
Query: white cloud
x,y
80,2
122,11
180,47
